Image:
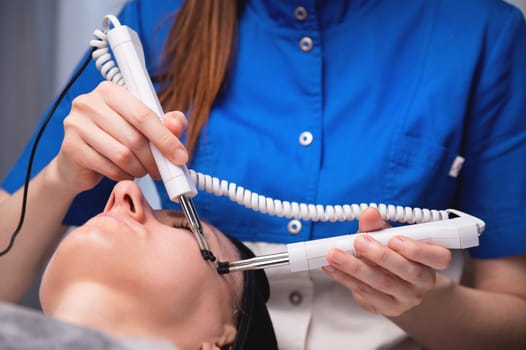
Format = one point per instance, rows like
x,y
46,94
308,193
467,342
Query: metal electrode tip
x,y
208,255
223,267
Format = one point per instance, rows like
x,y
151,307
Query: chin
x,y
48,292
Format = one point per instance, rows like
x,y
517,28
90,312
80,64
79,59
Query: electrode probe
x,y
458,232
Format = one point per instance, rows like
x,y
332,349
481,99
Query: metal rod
x,y
260,262
195,225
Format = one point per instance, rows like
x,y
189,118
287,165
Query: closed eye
x,y
181,224
175,219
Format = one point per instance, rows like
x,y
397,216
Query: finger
x,y
147,122
370,299
341,277
131,138
355,286
427,254
373,276
371,220
376,302
412,272
93,160
111,149
91,110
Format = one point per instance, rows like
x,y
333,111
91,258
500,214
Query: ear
x,y
225,342
229,336
208,346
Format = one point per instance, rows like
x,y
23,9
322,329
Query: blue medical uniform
x,y
352,102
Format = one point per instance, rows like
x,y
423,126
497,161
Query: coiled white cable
x,y
102,55
255,201
311,212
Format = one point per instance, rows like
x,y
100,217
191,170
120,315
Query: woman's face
x,y
152,262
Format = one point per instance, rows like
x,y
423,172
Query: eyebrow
x,y
180,222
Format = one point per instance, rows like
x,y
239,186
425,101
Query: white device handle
x,y
129,55
456,233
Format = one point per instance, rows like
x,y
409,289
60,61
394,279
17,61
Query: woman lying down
x,y
137,275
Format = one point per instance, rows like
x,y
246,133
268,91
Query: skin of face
x,y
130,272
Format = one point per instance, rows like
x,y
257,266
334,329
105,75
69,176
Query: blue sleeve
x,y
494,177
87,203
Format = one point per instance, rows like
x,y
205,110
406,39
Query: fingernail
x,y
362,242
329,269
180,156
395,243
337,257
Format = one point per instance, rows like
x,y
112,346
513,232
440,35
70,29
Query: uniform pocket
x,y
419,174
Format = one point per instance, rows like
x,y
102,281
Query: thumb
x,y
371,220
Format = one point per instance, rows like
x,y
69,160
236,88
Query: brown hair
x,y
196,58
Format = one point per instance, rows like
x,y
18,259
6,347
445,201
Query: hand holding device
x,y
132,74
459,232
128,53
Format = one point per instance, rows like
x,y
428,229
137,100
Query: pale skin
x,y
398,282
132,271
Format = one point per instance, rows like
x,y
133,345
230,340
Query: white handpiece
x,y
456,233
129,55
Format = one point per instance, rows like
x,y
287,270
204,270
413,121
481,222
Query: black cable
x,y
34,148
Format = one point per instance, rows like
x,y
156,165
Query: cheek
x,y
74,260
174,264
89,254
178,285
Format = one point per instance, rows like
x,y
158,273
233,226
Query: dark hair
x,y
196,57
254,327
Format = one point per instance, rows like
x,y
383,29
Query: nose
x,y
127,199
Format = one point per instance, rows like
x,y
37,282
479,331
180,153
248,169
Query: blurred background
x,y
43,40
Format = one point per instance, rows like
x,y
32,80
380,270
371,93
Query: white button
x,y
300,13
295,297
294,226
305,138
306,44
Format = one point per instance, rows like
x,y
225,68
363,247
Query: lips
x,y
121,219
